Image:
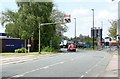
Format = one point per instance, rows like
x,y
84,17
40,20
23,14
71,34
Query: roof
x,y
9,38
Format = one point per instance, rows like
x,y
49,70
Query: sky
x,y
104,10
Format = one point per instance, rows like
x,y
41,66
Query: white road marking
x,y
18,76
82,76
61,62
86,72
96,64
45,67
93,67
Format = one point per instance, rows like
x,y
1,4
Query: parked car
x,y
71,47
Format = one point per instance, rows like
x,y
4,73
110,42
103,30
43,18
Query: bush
x,y
47,49
21,50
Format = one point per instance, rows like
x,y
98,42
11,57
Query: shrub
x,y
21,50
47,49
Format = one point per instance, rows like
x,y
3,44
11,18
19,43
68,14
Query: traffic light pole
x,y
42,24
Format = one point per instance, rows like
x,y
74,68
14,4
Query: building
x,y
97,33
10,44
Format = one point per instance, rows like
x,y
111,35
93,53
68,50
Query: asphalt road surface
x,y
82,63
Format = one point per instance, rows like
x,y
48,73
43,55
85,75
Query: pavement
x,y
112,67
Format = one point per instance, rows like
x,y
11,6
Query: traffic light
x,y
67,18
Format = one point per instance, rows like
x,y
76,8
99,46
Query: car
x,y
71,47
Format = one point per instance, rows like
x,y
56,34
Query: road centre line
x,y
94,66
45,67
82,76
86,72
15,62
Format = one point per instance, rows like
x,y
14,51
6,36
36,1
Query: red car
x,y
71,47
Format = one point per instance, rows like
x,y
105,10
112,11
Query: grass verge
x,y
31,53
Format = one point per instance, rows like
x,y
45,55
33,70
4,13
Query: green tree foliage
x,y
113,29
58,17
85,39
24,23
10,21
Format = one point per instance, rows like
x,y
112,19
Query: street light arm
x,y
52,23
92,9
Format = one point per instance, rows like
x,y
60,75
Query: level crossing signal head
x,y
67,18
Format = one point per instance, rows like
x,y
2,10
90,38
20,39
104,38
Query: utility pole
x,y
93,28
75,30
39,38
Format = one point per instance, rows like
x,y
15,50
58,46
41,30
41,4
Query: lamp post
x,y
93,28
75,30
118,26
39,38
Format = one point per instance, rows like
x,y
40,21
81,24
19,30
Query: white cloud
x,y
104,15
2,29
112,1
7,0
87,1
107,15
80,11
84,21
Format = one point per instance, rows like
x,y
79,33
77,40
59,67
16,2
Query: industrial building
x,y
97,33
10,44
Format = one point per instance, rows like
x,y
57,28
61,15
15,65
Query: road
x,y
82,63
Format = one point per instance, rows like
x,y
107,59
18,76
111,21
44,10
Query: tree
x,y
24,23
9,20
58,17
113,29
